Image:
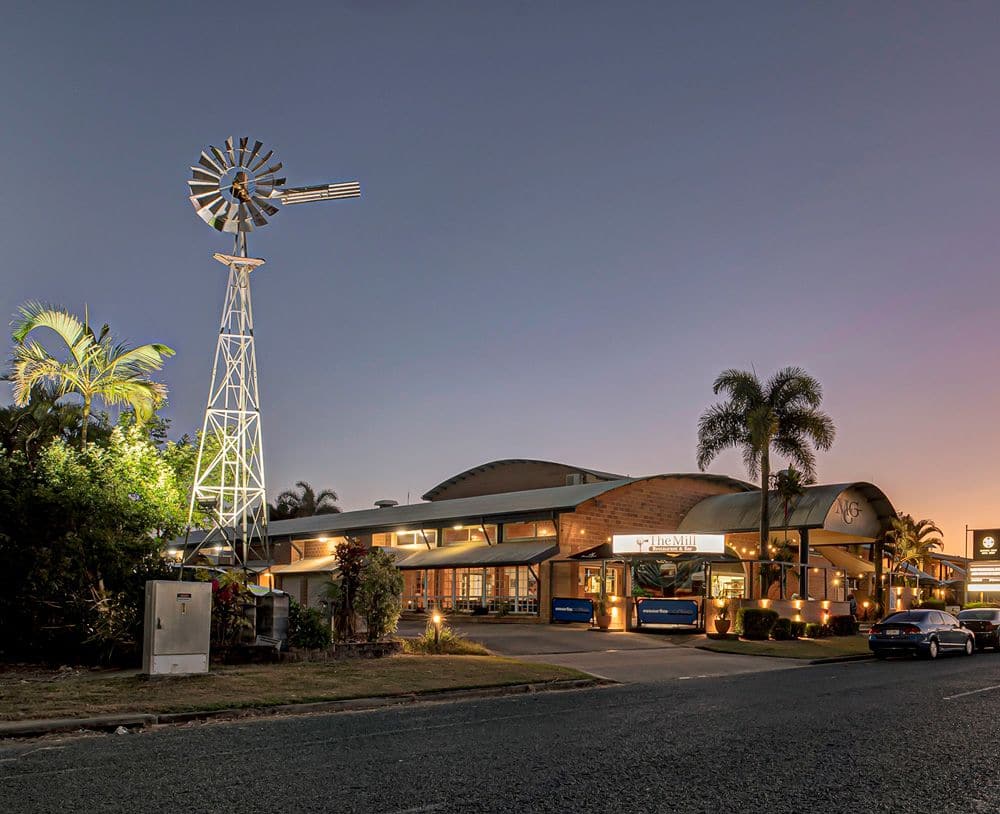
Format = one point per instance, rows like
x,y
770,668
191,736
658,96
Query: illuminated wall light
x,y
798,604
582,532
825,604
798,617
765,603
322,539
836,582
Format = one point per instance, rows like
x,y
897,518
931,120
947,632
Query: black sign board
x,y
986,544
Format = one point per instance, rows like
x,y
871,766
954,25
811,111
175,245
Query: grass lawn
x,y
796,649
33,694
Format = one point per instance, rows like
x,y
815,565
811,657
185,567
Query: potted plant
x,y
722,620
602,611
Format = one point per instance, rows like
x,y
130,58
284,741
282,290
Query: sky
x,y
574,216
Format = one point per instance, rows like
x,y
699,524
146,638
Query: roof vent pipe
x,y
386,504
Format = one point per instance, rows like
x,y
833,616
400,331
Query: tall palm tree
x,y
306,502
912,540
96,365
781,414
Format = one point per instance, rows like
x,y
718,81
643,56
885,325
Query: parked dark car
x,y
985,625
926,633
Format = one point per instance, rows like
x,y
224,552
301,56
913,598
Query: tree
x,y
912,540
757,417
350,554
380,592
303,503
96,365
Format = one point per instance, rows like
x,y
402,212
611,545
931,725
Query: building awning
x,y
851,564
476,555
308,565
959,572
913,571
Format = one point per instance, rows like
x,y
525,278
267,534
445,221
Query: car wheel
x,y
970,648
932,649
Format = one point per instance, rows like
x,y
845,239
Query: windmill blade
x,y
253,153
255,214
209,165
200,174
220,157
262,161
329,192
269,171
270,209
231,152
243,150
243,223
203,199
198,187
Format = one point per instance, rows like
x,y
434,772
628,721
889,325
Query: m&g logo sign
x,y
986,544
849,510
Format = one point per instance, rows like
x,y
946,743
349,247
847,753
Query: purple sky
x,y
574,216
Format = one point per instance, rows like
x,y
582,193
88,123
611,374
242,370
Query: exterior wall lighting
x,y
765,602
798,604
582,532
798,617
825,604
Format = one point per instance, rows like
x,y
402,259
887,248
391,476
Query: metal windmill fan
x,y
234,189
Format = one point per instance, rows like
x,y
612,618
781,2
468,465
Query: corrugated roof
x,y
851,564
741,512
308,565
431,493
474,555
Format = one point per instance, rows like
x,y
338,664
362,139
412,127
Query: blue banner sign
x,y
572,610
667,612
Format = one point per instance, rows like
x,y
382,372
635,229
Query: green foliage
x,y
231,604
782,630
798,629
449,643
755,623
80,532
844,625
971,605
304,503
350,554
931,604
307,627
380,592
815,630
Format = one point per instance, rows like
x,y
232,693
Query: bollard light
x,y
436,619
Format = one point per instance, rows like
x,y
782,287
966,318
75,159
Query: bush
x,y
755,623
931,604
380,594
782,630
449,643
798,629
307,627
818,631
971,605
843,625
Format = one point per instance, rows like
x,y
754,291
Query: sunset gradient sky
x,y
574,216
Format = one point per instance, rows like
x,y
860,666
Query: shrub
x,y
380,594
798,629
843,625
307,627
818,631
971,605
931,604
782,630
755,623
449,643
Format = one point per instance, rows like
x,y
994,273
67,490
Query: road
x,y
899,736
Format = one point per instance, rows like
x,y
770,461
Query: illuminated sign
x,y
667,612
984,576
986,544
668,543
572,610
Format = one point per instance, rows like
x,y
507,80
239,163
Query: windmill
x,y
235,190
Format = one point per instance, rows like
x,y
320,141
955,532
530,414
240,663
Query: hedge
x,y
756,623
798,629
782,630
843,625
931,604
817,631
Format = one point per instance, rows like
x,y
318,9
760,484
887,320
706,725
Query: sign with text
x,y
667,612
668,543
572,610
986,544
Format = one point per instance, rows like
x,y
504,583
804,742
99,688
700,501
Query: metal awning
x,y
477,555
851,564
913,571
958,570
308,565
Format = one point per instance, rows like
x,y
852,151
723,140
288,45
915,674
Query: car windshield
x,y
907,616
977,614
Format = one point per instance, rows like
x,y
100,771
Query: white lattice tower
x,y
229,473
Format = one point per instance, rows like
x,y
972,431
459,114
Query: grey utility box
x,y
272,616
177,627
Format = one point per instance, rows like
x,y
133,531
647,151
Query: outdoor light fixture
x,y
436,619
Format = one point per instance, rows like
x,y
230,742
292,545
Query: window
x,y
535,530
462,535
395,539
592,581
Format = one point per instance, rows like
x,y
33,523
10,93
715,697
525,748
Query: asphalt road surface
x,y
899,736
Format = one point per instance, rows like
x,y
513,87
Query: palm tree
x,y
96,366
781,414
306,502
912,540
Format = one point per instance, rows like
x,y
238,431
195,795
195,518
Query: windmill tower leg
x,y
229,472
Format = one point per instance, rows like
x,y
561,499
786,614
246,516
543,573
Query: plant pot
x,y
603,620
722,626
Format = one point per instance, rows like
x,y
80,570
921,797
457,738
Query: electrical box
x,y
177,627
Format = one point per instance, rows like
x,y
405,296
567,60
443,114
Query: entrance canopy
x,y
476,555
851,564
834,513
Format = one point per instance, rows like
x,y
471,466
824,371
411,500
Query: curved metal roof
x,y
741,512
504,462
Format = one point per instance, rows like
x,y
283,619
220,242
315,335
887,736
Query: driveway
x,y
628,657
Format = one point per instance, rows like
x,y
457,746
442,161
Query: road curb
x,y
838,659
103,723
